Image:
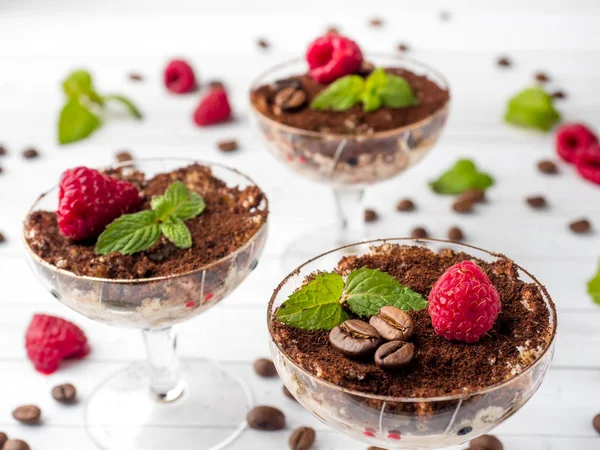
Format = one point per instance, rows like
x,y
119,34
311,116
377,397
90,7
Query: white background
x,y
42,40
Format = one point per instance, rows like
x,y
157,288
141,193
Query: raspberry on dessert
x,y
588,163
51,339
213,108
331,57
463,303
179,77
572,138
89,200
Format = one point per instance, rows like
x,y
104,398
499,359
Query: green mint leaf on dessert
x,y
175,231
397,93
593,287
532,108
76,122
316,306
368,290
178,202
463,176
341,95
129,234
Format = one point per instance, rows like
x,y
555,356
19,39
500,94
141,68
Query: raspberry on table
x,y
89,200
463,303
588,163
213,108
50,339
179,77
331,57
572,138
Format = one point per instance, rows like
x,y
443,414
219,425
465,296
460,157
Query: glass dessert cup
x,y
348,163
407,423
160,403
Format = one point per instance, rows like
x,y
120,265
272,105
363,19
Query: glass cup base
x,y
211,411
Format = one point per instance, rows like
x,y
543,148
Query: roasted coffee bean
x,y
393,324
487,442
548,167
302,438
355,338
372,447
16,444
30,153
3,152
332,29
456,234
473,195
504,62
288,394
402,47
288,82
405,205
394,355
2,238
580,226
263,43
463,206
376,22
1,169
227,146
419,233
366,68
290,99
64,393
133,76
541,77
123,156
265,368
371,215
216,84
537,201
559,95
3,439
596,423
27,414
266,418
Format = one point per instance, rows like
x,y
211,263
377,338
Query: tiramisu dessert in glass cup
x,y
145,245
349,121
412,344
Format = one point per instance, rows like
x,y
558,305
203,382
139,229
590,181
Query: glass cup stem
x,y
350,214
165,379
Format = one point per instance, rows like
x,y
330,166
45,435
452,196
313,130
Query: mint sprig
x,y
532,108
463,176
321,304
133,233
79,116
593,287
380,89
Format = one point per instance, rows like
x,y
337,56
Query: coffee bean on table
x,y
596,423
405,205
548,167
473,195
463,206
265,368
542,77
2,238
371,215
393,324
580,226
27,414
487,442
266,418
376,22
402,47
16,444
263,43
3,439
302,438
504,62
65,393
456,234
124,156
230,145
537,201
372,447
394,355
1,169
3,150
134,76
288,394
290,98
559,95
419,233
354,338
30,153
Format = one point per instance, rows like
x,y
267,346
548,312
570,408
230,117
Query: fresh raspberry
x,y
89,200
213,108
463,304
572,138
331,57
51,339
179,77
588,163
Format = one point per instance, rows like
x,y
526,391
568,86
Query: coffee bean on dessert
x,y
405,205
504,62
262,43
27,414
124,156
456,234
286,83
265,368
541,77
302,438
463,206
559,95
16,444
288,394
402,47
394,355
537,201
371,215
354,338
3,439
366,68
473,195
290,99
419,233
548,167
266,418
133,76
228,146
580,226
376,22
596,423
65,393
487,442
393,324
30,153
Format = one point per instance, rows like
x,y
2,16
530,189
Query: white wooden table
x,y
40,41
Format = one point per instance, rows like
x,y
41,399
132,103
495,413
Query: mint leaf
x,y
178,202
462,176
176,232
397,93
341,95
368,290
532,108
133,110
129,234
316,306
79,84
593,287
76,122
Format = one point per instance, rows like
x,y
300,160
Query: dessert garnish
x,y
132,233
331,57
213,108
532,108
463,303
51,339
322,303
593,287
78,118
461,177
572,138
179,77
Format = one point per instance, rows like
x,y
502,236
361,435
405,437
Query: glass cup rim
x,y
378,135
388,398
152,279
